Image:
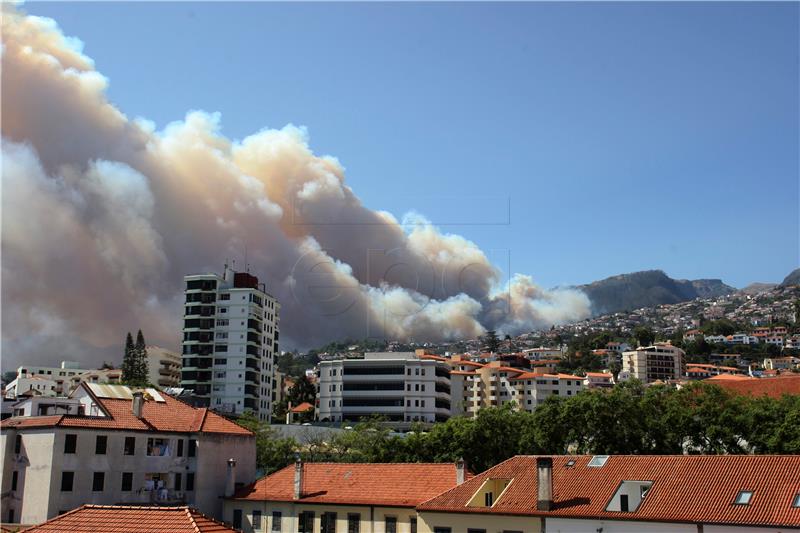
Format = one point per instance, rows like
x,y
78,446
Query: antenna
x,y
246,266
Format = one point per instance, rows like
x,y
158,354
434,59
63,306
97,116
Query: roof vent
x,y
570,463
598,461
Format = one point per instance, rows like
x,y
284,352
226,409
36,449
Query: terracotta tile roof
x,y
462,373
302,408
131,519
464,362
772,387
599,375
389,484
730,377
686,488
170,415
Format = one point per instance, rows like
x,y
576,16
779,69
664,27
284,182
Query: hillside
x,y
647,289
792,279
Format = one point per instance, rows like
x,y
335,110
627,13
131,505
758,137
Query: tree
x,y
492,341
644,336
129,361
273,452
134,364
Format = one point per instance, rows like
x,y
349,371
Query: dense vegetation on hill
x,y
647,289
628,419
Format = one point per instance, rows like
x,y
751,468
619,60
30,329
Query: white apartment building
x,y
31,385
534,388
230,339
118,446
400,386
661,361
62,375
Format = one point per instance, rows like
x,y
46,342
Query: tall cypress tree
x,y
142,368
128,360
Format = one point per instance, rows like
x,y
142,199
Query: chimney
x,y
544,467
298,477
138,404
460,471
289,413
230,478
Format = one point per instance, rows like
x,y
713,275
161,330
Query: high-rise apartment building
x,y
230,340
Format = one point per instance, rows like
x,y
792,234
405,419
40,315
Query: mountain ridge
x,y
648,288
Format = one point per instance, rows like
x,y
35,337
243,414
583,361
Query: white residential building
x,y
400,386
62,375
230,339
31,385
120,446
659,362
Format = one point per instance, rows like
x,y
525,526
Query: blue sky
x,y
621,136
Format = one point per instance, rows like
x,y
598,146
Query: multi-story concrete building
x,y
62,375
400,386
118,446
31,386
230,339
661,361
164,367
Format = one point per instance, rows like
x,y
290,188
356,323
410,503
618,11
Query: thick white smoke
x,y
103,215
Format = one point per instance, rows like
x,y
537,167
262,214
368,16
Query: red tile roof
x,y
772,387
130,519
302,408
170,415
388,484
686,488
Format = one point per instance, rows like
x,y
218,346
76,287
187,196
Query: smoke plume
x,y
103,216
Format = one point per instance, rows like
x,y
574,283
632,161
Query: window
x,y
127,481
305,522
178,480
796,502
488,499
70,442
570,463
353,522
100,445
17,443
11,516
192,448
157,447
391,524
179,451
98,481
470,530
413,524
442,530
623,503
14,480
743,498
327,523
190,481
67,478
276,521
598,461
237,519
130,446
256,520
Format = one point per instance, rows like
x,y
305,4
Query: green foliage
x,y
134,362
721,327
628,419
644,335
296,365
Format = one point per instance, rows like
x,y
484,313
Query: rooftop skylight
x,y
598,461
743,498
